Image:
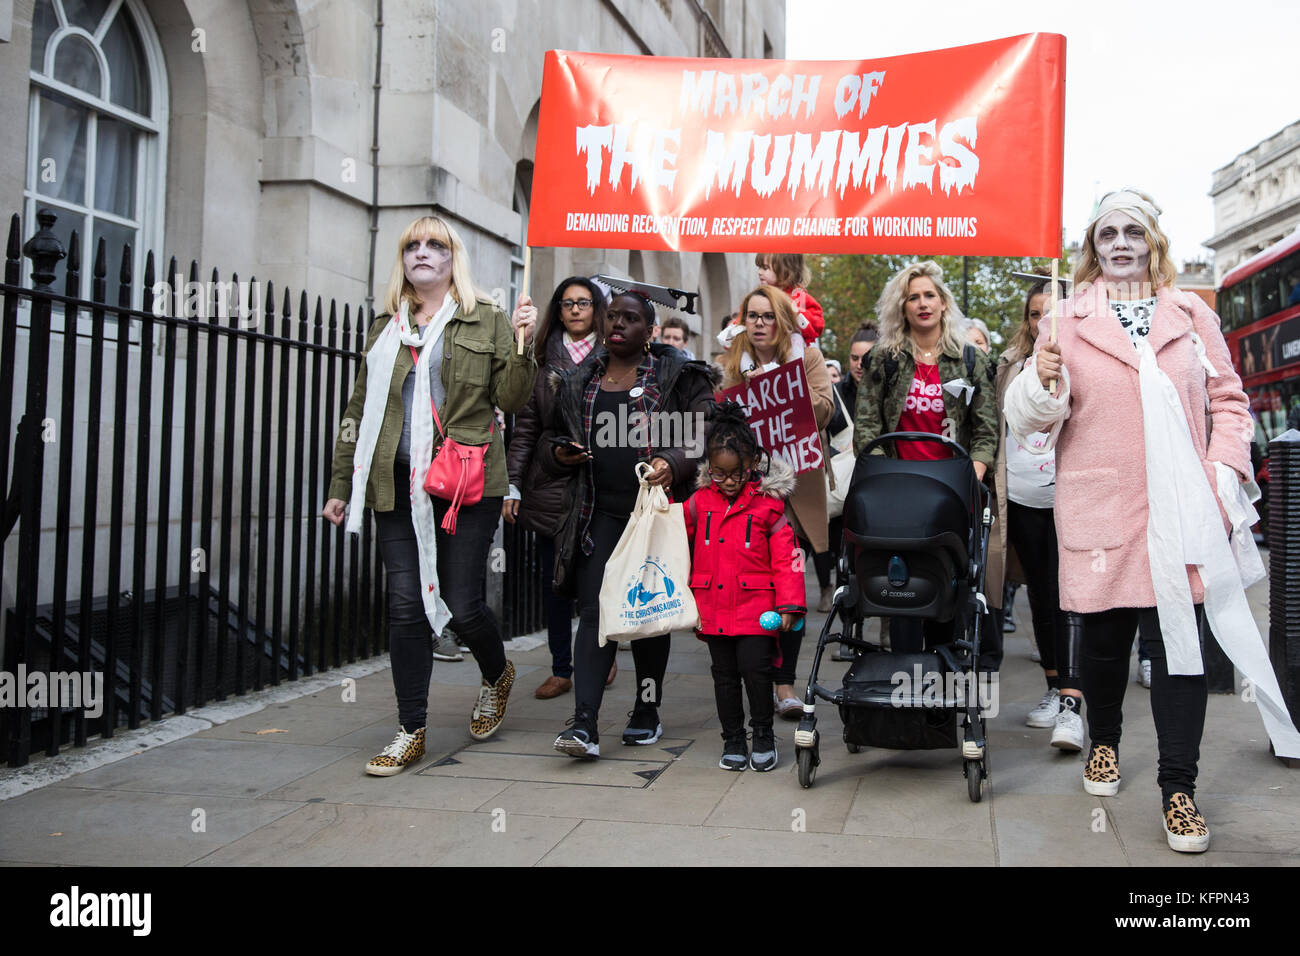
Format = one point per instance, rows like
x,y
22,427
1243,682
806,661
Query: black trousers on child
x,y
1177,702
743,660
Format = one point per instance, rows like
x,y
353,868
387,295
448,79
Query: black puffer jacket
x,y
544,498
684,385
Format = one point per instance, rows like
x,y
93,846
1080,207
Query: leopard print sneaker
x,y
405,750
491,707
1101,773
1185,828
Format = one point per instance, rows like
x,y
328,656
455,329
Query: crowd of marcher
x,y
1058,427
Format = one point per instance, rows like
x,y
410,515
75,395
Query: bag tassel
x,y
449,519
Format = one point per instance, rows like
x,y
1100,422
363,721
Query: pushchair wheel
x,y
808,761
852,748
974,770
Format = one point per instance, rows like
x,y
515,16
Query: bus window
x,y
1266,291
1234,309
1290,269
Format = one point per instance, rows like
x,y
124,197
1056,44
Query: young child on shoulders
x,y
789,273
743,565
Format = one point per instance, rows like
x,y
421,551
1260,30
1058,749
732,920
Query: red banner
x,y
955,152
780,412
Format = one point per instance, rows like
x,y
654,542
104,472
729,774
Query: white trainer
x,y
1044,715
1144,672
1068,732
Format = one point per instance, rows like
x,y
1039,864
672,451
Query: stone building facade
x,y
1256,199
275,137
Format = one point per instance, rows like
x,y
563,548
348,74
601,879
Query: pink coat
x,y
1101,483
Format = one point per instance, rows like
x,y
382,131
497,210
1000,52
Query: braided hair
x,y
728,430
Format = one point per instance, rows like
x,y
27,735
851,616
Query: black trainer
x,y
581,739
735,755
764,756
643,725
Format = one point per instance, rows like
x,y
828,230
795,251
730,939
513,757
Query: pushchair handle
x,y
916,436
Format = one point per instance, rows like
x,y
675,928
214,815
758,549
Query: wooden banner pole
x,y
523,290
1056,268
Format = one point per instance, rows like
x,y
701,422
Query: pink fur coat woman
x,y
1096,417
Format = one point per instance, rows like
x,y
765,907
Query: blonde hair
x,y
1161,269
890,310
785,328
788,267
462,284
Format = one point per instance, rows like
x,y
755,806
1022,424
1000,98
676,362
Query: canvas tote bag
x,y
645,592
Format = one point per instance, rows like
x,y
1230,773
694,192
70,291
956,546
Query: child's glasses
x,y
719,476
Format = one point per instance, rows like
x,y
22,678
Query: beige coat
x,y
807,506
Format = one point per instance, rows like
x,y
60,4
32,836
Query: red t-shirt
x,y
923,412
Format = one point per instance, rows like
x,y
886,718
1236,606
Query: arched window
x,y
96,128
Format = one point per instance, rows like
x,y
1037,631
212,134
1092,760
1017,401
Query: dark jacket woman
x,y
672,383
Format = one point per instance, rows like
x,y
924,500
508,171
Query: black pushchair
x,y
915,540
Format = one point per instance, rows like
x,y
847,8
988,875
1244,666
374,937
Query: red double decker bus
x,y
1259,303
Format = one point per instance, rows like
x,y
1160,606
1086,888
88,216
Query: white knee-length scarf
x,y
1184,527
399,334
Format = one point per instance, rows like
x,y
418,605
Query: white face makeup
x,y
427,263
1122,248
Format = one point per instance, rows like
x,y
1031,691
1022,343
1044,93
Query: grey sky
x,y
1157,94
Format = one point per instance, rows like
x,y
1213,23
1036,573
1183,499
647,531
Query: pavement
x,y
278,779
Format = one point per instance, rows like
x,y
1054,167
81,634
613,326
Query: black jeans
x,y
462,571
591,661
746,660
1032,532
559,613
1177,702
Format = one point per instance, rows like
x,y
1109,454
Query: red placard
x,y
954,151
780,412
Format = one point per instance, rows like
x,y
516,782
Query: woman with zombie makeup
x,y
1149,423
626,376
438,343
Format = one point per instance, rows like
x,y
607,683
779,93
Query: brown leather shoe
x,y
553,687
613,672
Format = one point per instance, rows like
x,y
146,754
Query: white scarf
x,y
398,334
1184,527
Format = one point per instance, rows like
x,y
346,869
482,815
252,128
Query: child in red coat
x,y
743,555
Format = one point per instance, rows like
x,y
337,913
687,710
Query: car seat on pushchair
x,y
915,535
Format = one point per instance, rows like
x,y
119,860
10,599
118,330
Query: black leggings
x,y
746,660
591,662
1177,702
1032,532
462,569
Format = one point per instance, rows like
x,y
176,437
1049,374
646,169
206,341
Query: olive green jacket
x,y
974,426
480,370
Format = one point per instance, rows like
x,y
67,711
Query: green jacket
x,y
974,426
480,370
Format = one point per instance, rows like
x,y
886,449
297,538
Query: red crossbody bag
x,y
457,472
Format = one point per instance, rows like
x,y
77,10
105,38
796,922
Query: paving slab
x,y
74,826
229,768
338,835
644,844
1042,829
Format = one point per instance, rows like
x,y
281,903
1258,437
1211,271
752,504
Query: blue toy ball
x,y
769,620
